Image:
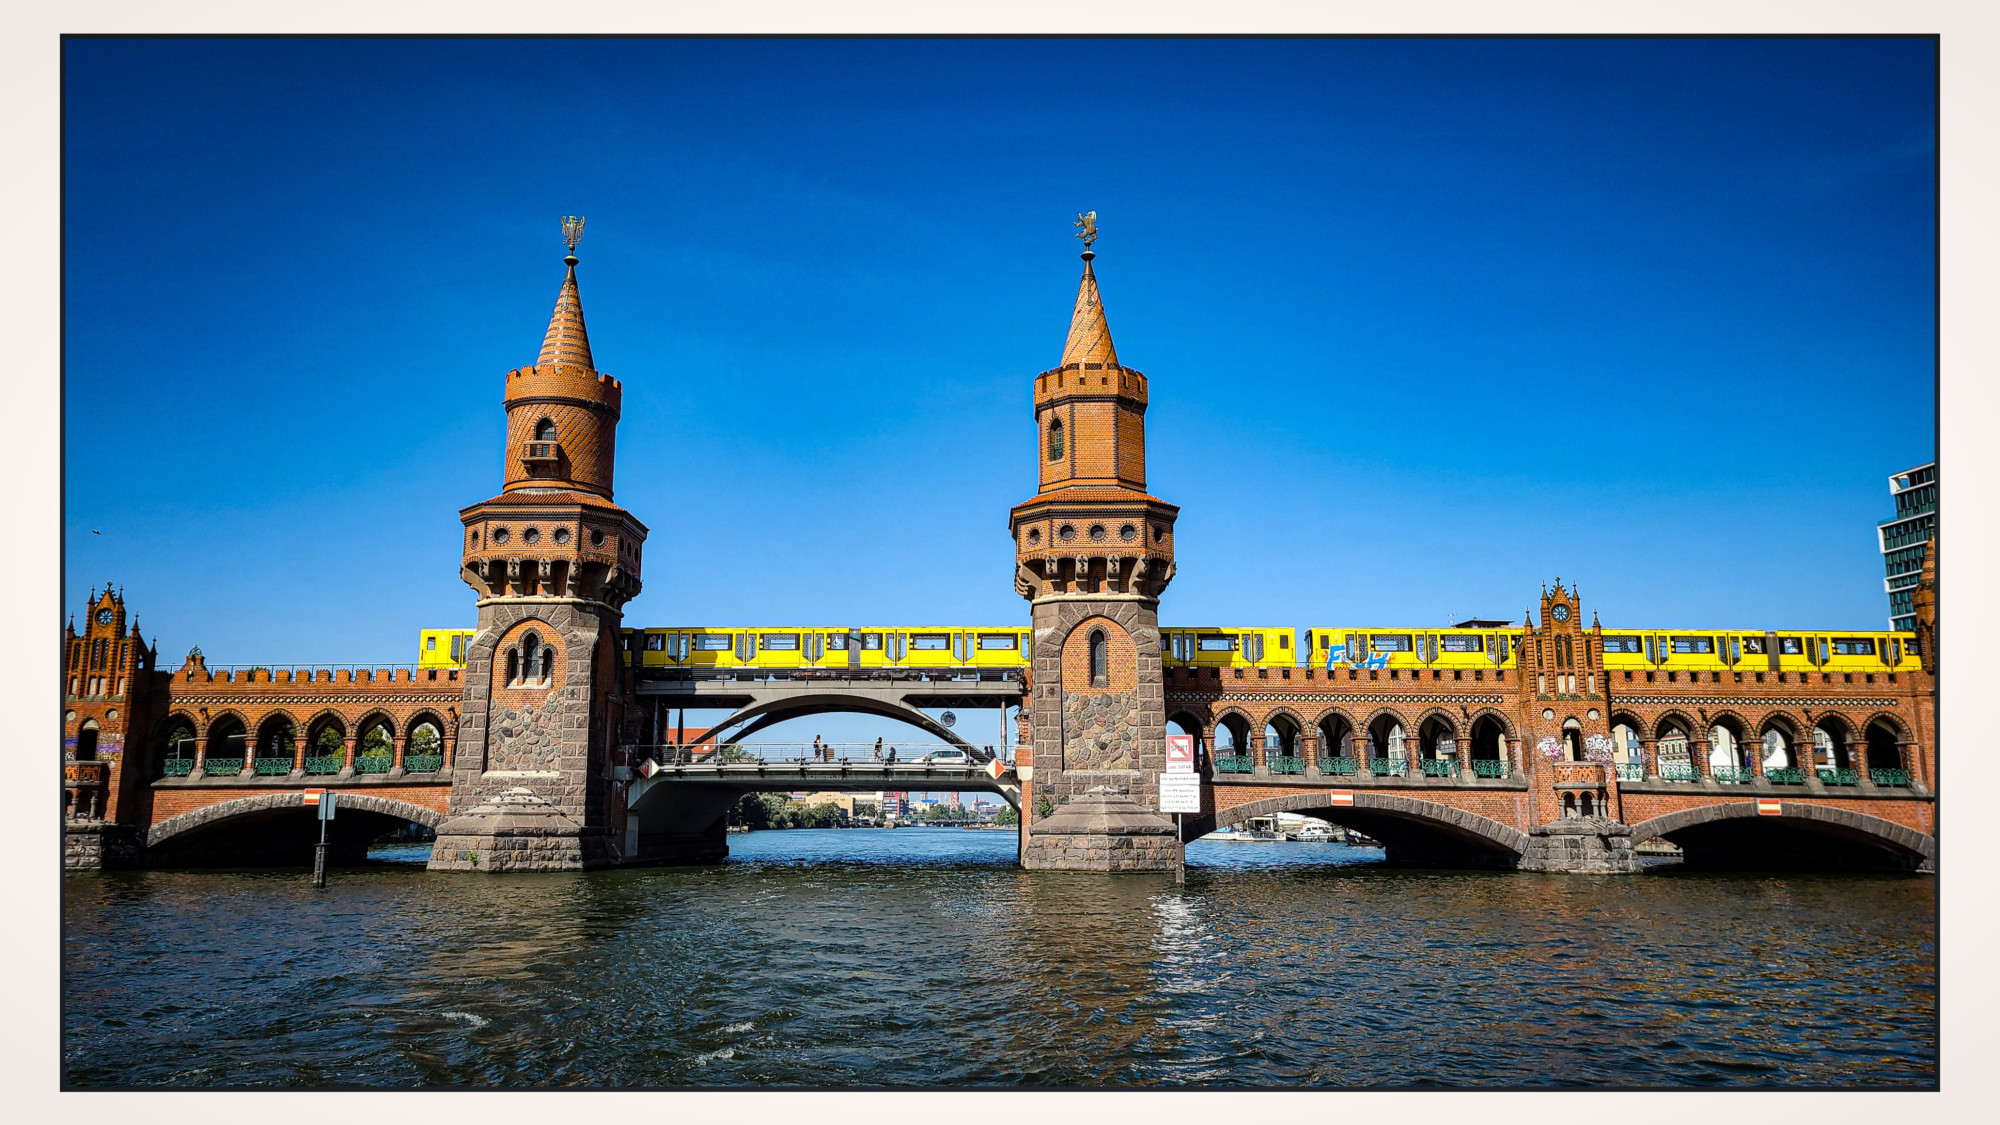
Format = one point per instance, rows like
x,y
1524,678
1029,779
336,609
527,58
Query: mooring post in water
x,y
1180,867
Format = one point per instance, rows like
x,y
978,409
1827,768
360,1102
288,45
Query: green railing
x,y
1234,763
423,763
177,767
1631,771
1679,771
1787,775
1840,777
1286,763
1389,767
1488,767
373,763
273,765
1339,767
329,764
1896,778
222,767
1440,767
1733,775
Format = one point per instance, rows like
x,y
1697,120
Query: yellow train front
x,y
1742,650
442,648
799,646
1407,648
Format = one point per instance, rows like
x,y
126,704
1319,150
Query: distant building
x,y
1903,537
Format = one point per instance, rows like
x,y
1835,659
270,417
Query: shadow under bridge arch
x,y
1801,837
1422,833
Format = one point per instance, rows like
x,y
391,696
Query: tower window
x,y
1100,659
1056,440
545,430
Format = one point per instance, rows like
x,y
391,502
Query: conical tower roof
x,y
567,344
1089,336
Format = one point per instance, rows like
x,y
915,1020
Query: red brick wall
x,y
172,802
1122,664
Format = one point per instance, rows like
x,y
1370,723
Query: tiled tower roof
x,y
1089,336
567,344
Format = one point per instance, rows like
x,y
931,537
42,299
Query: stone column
x,y
1413,756
347,761
1464,747
450,750
1259,767
1309,746
200,768
396,759
1753,755
1857,757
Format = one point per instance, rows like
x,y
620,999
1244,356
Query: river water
x,y
924,957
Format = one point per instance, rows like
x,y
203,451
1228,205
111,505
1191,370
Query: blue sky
x,y
1428,323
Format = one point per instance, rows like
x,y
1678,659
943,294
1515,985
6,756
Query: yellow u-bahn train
x,y
1012,646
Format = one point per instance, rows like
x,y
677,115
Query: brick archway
x,y
1507,844
1841,824
228,810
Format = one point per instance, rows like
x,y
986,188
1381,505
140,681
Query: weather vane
x,y
572,232
1088,222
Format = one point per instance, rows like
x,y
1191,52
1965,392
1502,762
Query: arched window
x,y
1589,805
86,741
1100,659
547,665
545,430
513,667
1055,440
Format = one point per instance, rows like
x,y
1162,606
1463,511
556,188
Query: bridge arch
x,y
1814,837
1411,831
278,829
749,720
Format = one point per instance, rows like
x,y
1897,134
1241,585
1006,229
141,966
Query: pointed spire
x,y
567,344
1089,336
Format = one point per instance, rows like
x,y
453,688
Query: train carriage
x,y
798,646
442,648
1717,650
1226,647
1412,648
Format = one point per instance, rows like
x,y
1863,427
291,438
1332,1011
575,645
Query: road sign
x,y
995,768
1770,808
326,806
1340,796
1180,792
948,719
1180,754
311,796
650,768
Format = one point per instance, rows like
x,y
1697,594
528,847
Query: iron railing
x,y
1439,767
271,765
800,753
373,763
1339,767
1732,775
177,767
222,767
1389,767
1488,767
1631,771
1786,775
1899,779
1839,777
1286,763
422,763
331,763
1679,771
1235,763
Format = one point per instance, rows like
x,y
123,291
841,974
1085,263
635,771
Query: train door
x,y
854,648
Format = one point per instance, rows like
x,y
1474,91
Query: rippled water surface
x,y
924,957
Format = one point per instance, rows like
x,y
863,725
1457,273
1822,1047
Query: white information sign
x,y
1180,753
1180,793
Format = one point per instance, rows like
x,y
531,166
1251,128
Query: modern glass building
x,y
1916,494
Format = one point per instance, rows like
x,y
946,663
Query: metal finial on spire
x,y
1086,222
572,234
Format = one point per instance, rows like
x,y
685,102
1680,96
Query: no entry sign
x,y
1180,755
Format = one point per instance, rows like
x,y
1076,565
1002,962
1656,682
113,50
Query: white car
x,y
947,758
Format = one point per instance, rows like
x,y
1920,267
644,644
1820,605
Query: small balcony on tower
x,y
541,458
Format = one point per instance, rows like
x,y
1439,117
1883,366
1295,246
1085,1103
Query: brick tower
x,y
1093,551
553,561
107,694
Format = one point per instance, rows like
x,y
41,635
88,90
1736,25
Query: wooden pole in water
x,y
1180,864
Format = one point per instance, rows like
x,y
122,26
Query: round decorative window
x,y
1548,713
1035,536
531,537
562,535
69,716
1560,612
1065,533
1593,712
596,537
1097,533
499,535
1128,533
112,714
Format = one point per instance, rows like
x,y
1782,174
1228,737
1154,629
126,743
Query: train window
x,y
1464,644
780,642
929,641
1694,644
1284,640
1389,642
1621,644
1213,643
1753,646
997,640
1789,646
1854,646
430,644
458,648
711,642
836,640
871,642
656,642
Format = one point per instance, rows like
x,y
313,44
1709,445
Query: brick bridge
x,y
525,755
